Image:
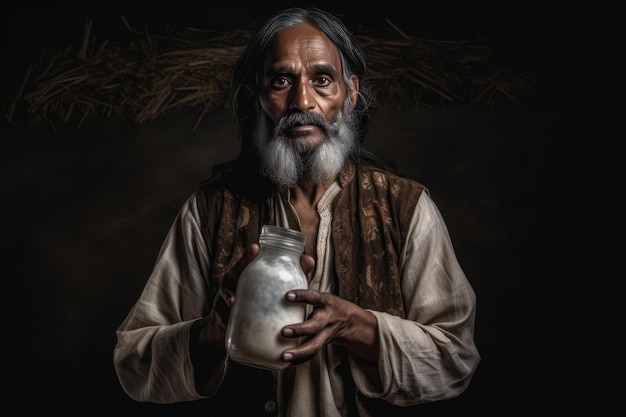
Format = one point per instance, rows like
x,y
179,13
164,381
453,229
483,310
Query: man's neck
x,y
304,198
308,192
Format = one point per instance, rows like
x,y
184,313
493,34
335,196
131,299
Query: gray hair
x,y
246,80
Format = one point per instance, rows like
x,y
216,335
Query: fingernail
x,y
287,332
291,296
287,357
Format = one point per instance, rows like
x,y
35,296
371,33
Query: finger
x,y
305,296
307,263
230,280
306,350
228,296
251,252
315,324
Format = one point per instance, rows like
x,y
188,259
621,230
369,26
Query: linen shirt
x,y
429,356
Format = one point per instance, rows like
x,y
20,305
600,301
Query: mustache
x,y
302,119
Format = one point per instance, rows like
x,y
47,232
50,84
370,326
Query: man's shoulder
x,y
387,178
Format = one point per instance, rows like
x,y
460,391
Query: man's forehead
x,y
300,42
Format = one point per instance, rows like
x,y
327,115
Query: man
x,y
391,313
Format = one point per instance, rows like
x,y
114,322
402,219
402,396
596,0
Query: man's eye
x,y
322,81
280,82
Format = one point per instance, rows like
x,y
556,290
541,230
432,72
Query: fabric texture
x,y
382,244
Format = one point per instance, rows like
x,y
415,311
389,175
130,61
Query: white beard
x,y
285,160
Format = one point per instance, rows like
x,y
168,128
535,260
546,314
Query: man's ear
x,y
354,91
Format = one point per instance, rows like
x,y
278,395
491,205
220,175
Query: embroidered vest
x,y
371,217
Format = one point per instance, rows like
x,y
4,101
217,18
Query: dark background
x,y
529,191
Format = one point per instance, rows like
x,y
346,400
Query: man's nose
x,y
303,97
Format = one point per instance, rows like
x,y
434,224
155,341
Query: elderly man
x,y
391,312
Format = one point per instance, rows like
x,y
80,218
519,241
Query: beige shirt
x,y
428,356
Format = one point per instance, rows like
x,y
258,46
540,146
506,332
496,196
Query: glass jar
x,y
260,310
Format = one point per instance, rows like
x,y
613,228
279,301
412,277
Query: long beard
x,y
286,160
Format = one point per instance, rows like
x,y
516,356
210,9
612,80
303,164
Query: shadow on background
x,y
529,192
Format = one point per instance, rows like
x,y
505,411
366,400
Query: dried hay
x,y
155,74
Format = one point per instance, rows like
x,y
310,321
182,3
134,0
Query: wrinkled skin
x,y
302,73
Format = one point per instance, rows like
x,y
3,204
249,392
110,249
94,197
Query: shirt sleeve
x,y
430,355
151,356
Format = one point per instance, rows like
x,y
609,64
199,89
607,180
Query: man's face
x,y
302,73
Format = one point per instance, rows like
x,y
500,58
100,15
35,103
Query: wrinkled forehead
x,y
302,43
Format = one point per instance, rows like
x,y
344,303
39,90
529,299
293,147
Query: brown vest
x,y
371,217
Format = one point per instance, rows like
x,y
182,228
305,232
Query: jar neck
x,y
282,238
293,248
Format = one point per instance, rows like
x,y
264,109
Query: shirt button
x,y
270,406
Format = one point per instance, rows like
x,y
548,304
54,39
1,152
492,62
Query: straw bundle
x,y
154,74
